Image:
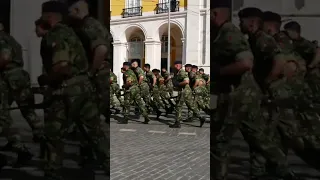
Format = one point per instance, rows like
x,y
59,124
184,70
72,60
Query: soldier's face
x,y
201,72
244,25
146,69
292,34
39,31
178,66
134,65
73,12
188,69
163,70
194,70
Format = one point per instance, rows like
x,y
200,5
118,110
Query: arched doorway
x,y
176,45
136,51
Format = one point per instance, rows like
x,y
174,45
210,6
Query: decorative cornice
x,y
154,17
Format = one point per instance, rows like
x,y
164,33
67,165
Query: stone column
x,y
153,53
119,56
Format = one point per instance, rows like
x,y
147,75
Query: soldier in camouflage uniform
x,y
144,87
19,85
206,77
238,93
152,81
96,41
70,92
164,94
168,81
114,90
132,94
181,83
199,88
310,53
15,86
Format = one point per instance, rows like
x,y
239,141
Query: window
x,y
136,48
133,3
164,44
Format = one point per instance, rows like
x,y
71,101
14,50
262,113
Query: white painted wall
x,y
23,15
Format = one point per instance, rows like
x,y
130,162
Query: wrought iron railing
x,y
164,7
131,12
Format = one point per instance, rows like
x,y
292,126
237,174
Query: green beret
x,y
178,62
54,7
271,16
250,12
221,4
293,25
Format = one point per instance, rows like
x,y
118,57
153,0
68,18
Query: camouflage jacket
x,y
166,75
15,48
129,75
150,76
181,76
93,34
139,72
113,78
62,44
305,49
229,46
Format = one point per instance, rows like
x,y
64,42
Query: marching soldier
x,y
132,94
168,80
181,83
71,100
237,92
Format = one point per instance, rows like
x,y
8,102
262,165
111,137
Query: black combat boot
x,y
158,114
175,125
3,161
86,156
202,121
123,121
146,120
24,157
189,119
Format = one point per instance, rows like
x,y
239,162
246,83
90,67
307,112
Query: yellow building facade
x,y
140,31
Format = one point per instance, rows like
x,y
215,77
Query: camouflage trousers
x,y
169,86
185,97
19,84
200,95
133,95
6,129
102,85
157,98
74,104
234,113
165,96
115,90
146,96
298,131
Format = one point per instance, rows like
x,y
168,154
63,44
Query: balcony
x,y
163,7
132,12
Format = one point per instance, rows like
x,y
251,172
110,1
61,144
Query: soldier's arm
x,y
154,80
61,60
238,45
5,54
99,46
140,76
309,46
185,77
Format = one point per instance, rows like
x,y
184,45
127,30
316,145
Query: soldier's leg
x,y
20,89
136,95
94,132
126,107
179,106
55,126
158,101
191,105
146,95
11,134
